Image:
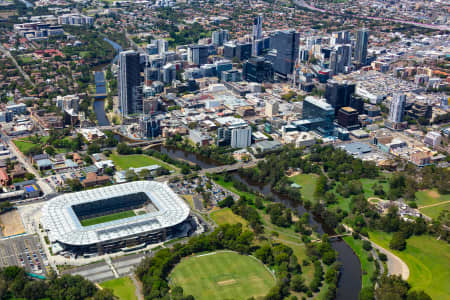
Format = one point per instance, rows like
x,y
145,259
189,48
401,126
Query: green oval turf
x,y
222,275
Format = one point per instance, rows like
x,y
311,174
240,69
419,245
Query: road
x,y
25,75
220,169
303,3
46,189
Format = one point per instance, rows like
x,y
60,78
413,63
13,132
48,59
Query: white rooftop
x,y
63,226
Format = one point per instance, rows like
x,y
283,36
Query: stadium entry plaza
x,y
122,217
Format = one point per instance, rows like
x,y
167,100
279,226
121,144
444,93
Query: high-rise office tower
x,y
163,45
319,109
334,67
338,93
220,37
198,54
304,55
256,34
169,73
257,27
397,108
286,44
340,59
341,37
130,87
257,69
362,39
357,103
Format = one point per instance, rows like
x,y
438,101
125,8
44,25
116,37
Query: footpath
x,y
396,266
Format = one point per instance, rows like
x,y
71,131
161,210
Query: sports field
x,y
125,162
428,260
222,275
108,218
123,288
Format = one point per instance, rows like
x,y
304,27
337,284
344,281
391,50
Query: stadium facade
x,y
166,216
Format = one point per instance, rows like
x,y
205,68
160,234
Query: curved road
x,y
396,266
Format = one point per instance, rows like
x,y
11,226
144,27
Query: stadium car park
x,y
24,251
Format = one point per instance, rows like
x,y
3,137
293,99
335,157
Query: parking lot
x,y
198,185
24,251
58,180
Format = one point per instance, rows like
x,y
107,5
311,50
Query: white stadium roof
x,y
63,226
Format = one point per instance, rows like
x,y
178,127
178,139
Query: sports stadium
x,y
114,218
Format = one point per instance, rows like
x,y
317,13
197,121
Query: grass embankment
x,y
431,203
367,267
226,216
428,261
123,288
223,275
125,162
108,218
189,199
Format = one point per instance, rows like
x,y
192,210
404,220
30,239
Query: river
x,y
349,283
99,104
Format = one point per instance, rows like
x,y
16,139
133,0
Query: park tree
x,y
418,295
391,288
366,293
298,283
367,246
398,241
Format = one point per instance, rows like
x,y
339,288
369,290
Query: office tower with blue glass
x,y
362,40
284,46
129,82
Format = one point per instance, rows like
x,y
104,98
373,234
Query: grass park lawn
x,y
432,197
434,211
429,197
123,288
368,183
25,144
108,218
308,184
428,261
26,59
222,275
226,216
367,267
125,162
